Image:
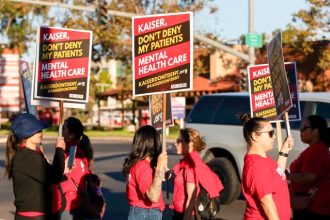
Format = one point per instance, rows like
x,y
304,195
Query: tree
x,y
110,41
16,19
306,36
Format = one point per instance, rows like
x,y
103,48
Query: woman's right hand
x,y
162,162
288,144
60,143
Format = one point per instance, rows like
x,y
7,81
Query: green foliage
x,y
20,19
305,33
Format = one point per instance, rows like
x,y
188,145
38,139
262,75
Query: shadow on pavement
x,y
110,157
117,206
116,176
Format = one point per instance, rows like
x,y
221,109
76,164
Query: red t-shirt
x,y
315,159
139,181
262,176
179,196
77,174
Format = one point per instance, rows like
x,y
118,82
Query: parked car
x,y
217,118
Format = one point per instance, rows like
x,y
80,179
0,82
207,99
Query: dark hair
x,y
319,123
192,135
75,127
11,149
146,142
251,125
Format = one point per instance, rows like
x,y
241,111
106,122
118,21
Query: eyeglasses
x,y
270,133
303,128
178,141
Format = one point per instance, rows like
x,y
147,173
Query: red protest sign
x,y
162,53
63,64
261,92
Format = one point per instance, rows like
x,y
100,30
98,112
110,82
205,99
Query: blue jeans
x,y
136,213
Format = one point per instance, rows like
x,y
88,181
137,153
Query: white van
x,y
217,118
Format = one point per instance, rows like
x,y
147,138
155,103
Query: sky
x,y
231,19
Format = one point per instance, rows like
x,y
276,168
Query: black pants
x,y
306,215
180,215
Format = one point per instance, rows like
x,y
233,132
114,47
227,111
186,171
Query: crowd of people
x,y
45,190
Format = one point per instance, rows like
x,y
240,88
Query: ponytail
x,y
12,146
86,147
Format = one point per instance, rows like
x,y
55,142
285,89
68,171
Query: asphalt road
x,y
109,156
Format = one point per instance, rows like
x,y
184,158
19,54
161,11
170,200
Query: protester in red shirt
x,y
310,172
264,183
144,169
74,187
191,172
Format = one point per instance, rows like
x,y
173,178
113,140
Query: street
x,y
109,155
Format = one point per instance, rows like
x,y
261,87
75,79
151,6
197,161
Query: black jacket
x,y
32,179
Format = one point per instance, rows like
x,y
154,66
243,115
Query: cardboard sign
x,y
63,65
156,110
261,94
278,77
162,53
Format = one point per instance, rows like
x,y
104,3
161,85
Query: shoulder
x,y
319,150
256,160
27,154
256,163
141,165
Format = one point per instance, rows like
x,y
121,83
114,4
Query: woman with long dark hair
x,y
310,172
144,169
264,184
29,169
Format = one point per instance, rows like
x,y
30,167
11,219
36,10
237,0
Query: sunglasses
x,y
270,133
303,128
178,141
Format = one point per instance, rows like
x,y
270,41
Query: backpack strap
x,y
197,216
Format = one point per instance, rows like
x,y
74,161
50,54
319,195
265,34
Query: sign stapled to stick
x,y
261,92
156,110
278,77
62,65
162,53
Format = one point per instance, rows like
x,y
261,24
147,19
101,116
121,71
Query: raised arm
x,y
154,191
283,154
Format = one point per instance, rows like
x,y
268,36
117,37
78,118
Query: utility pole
x,y
251,30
